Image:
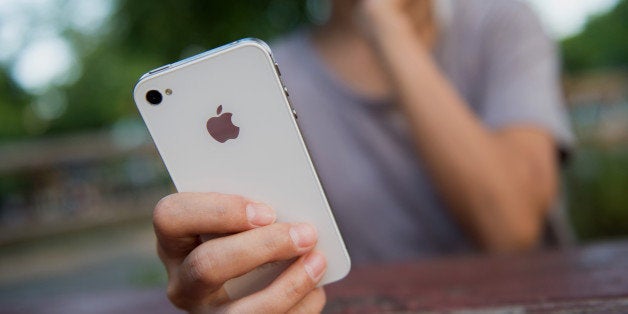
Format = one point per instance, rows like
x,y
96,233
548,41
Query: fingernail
x,y
303,235
315,265
259,214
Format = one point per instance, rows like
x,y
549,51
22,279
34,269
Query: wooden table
x,y
592,279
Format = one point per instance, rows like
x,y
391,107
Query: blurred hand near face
x,y
371,15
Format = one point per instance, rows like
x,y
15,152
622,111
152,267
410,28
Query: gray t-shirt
x,y
496,55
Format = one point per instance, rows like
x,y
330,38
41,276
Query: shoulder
x,y
483,26
491,14
511,16
503,28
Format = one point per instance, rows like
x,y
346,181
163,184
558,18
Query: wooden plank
x,y
35,155
591,275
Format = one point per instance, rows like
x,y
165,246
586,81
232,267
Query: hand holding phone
x,y
197,271
222,123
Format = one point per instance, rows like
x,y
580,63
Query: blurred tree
x,y
596,183
602,44
147,34
140,35
12,100
144,34
597,176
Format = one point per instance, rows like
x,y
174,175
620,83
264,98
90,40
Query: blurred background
x,y
79,175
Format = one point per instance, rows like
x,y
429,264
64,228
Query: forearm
x,y
484,185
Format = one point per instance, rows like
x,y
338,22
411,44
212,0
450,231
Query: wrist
x,y
378,25
382,13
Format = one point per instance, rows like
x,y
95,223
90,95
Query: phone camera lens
x,y
154,97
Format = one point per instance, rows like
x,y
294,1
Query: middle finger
x,y
214,262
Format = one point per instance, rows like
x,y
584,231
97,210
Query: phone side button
x,y
277,68
285,90
159,69
294,113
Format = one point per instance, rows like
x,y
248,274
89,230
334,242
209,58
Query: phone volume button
x,y
277,68
285,90
294,113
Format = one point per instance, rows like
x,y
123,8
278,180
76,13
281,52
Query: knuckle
x,y
200,269
175,295
238,199
297,287
271,246
217,198
278,240
224,203
163,211
226,198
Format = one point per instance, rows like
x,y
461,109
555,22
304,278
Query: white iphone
x,y
222,122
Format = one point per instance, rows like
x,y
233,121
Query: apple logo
x,y
221,128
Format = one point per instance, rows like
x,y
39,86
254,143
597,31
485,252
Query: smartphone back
x,y
225,125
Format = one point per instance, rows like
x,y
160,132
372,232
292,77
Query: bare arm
x,y
498,184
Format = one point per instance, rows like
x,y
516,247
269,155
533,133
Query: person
x,y
434,125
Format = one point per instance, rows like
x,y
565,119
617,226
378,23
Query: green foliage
x,y
141,35
602,44
596,181
597,188
166,29
12,100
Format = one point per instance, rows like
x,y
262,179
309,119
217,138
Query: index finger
x,y
179,219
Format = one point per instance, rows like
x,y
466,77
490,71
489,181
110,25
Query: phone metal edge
x,y
162,70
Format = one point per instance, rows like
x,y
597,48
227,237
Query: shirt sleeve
x,y
521,74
